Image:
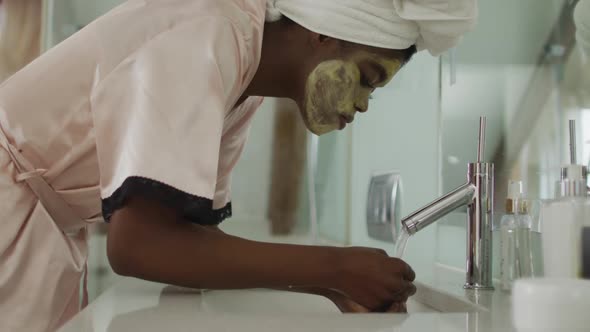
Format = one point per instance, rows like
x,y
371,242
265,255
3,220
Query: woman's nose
x,y
360,109
362,106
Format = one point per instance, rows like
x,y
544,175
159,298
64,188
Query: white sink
x,y
274,302
134,305
426,300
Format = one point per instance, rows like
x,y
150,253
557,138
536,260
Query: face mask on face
x,y
330,92
334,91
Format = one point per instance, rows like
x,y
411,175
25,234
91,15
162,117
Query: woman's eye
x,y
366,83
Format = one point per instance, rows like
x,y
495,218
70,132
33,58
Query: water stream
x,y
401,243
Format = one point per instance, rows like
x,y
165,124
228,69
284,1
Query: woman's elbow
x,y
125,240
119,251
133,230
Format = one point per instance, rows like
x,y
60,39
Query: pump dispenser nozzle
x,y
573,182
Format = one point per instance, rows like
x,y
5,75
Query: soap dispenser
x,y
516,257
563,219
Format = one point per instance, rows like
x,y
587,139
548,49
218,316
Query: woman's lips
x,y
342,122
344,119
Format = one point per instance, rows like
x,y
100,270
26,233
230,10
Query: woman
x,y
139,118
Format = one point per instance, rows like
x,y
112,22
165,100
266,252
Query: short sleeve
x,y
159,118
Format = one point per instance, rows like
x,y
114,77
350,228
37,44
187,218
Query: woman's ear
x,y
324,43
317,39
324,38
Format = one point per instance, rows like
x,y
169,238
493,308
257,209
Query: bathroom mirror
x,y
528,86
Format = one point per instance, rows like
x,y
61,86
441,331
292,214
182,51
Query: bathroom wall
x,y
251,177
64,17
86,11
333,181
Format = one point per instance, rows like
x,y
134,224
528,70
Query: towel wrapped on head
x,y
433,25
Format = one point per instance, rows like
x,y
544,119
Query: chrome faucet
x,y
478,195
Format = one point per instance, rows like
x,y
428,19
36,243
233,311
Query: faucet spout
x,y
436,210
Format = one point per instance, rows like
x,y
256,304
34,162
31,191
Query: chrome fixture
x,y
478,195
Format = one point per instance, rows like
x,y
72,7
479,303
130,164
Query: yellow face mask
x,y
337,89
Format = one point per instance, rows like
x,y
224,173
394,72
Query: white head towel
x,y
433,25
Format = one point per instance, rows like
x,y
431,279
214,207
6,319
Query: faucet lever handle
x,y
482,139
573,152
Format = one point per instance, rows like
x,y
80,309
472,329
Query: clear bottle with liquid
x,y
516,256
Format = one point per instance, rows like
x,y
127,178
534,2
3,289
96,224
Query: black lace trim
x,y
196,209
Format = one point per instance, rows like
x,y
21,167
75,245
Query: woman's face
x,y
337,89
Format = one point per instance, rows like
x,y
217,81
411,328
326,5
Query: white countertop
x,y
440,305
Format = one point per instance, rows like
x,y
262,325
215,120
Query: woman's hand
x,y
346,305
398,308
372,279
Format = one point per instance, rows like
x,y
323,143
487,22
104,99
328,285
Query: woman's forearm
x,y
193,256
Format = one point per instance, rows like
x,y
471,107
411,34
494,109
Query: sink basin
x,y
426,300
134,305
275,302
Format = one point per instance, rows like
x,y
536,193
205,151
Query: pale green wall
x,y
333,186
